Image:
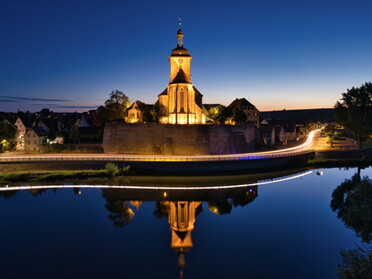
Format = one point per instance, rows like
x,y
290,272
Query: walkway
x,y
304,148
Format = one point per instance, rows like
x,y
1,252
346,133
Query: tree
x,y
161,209
329,130
120,213
357,264
352,200
147,114
354,111
220,114
116,106
8,134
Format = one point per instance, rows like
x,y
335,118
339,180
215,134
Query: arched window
x,y
182,99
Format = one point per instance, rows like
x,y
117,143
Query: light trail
x,y
292,151
137,187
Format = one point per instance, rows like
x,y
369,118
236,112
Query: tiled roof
x,y
198,97
238,103
164,93
40,132
181,77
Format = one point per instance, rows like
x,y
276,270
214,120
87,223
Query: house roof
x,y
40,132
133,105
238,103
181,77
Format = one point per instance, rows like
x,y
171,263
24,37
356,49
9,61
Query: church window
x,y
182,99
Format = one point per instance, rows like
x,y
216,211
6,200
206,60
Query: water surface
x,y
276,230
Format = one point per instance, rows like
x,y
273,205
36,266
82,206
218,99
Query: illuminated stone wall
x,y
177,139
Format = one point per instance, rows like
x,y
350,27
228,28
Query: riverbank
x,y
35,176
349,158
339,163
103,174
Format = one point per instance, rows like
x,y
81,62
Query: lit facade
x,y
250,111
180,102
21,128
135,114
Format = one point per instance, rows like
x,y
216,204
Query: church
x,y
180,102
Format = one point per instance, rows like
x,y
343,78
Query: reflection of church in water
x,y
181,214
181,218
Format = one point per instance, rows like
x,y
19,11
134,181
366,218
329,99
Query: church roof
x,y
164,93
181,77
198,97
180,51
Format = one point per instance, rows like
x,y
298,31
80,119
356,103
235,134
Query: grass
x,y
27,176
110,170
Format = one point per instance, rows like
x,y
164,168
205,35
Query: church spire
x,y
180,38
179,34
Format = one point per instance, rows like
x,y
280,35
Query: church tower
x,y
180,102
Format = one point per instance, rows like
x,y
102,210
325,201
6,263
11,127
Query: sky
x,y
69,55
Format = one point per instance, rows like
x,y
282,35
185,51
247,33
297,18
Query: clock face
x,y
180,61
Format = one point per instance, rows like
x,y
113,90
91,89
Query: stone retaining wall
x,y
160,139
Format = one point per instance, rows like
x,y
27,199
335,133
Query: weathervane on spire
x,y
179,21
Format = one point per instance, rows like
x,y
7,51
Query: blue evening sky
x,y
69,55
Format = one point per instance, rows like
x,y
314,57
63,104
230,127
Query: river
x,y
266,226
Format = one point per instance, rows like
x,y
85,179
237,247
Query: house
x,y
252,113
280,134
81,122
290,132
301,130
41,125
21,127
267,134
34,138
135,114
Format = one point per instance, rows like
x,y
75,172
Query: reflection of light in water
x,y
183,188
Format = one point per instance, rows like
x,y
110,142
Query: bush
x,y
112,169
126,169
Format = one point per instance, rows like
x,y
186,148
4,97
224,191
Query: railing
x,y
304,148
144,158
